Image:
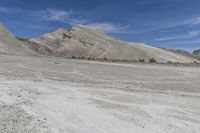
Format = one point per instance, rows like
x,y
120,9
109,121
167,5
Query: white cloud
x,y
194,21
191,22
6,10
63,16
172,25
52,14
73,19
191,34
13,10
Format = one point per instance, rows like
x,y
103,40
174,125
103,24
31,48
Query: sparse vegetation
x,y
105,59
74,57
57,62
141,60
66,36
82,57
89,58
169,62
195,62
152,60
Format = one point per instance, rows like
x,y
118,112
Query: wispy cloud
x,y
190,35
52,14
65,16
9,10
4,10
13,10
56,15
72,19
172,25
194,21
187,42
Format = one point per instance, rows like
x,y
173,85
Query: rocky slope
x,y
39,48
84,41
10,45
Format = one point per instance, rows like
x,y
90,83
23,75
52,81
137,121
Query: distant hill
x,y
84,41
10,45
195,54
178,51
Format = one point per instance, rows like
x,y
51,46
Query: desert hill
x,y
10,45
87,42
84,41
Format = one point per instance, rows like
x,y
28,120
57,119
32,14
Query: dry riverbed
x,y
49,95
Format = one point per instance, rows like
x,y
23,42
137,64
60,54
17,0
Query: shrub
x,y
141,60
82,57
152,60
57,62
169,62
105,59
89,58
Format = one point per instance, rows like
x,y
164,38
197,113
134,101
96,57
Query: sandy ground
x,y
43,95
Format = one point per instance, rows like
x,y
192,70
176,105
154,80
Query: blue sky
x,y
162,23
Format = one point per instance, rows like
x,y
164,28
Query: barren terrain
x,y
52,95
